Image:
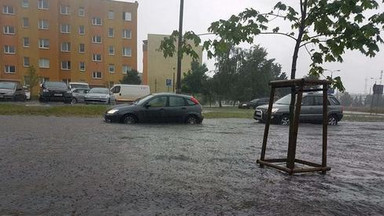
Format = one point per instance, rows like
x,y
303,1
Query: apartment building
x,y
160,72
93,41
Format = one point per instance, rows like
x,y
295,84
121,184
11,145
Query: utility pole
x,y
179,54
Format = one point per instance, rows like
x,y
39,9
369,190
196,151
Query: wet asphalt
x,y
84,166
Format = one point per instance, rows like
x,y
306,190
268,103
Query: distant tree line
x,y
240,75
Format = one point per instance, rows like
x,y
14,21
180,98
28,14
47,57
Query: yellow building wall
x,y
159,68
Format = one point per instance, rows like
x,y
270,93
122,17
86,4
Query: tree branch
x,y
278,33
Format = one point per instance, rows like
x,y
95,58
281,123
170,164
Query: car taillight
x,y
194,100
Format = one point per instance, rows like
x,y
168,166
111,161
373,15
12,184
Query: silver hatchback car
x,y
311,110
99,96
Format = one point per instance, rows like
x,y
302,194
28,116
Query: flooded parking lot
x,y
83,166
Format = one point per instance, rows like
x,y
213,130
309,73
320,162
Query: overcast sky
x,y
161,17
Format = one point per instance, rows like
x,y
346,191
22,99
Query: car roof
x,y
83,83
171,94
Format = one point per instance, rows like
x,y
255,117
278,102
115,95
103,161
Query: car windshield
x,y
286,100
142,100
60,85
7,85
99,91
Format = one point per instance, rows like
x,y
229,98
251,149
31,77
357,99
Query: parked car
x,y
55,91
11,90
78,95
129,93
99,96
311,110
161,107
253,103
82,85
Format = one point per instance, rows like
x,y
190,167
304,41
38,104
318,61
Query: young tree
x,y
32,79
132,77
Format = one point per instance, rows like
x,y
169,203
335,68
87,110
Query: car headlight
x,y
45,90
112,111
275,110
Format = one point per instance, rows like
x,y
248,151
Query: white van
x,y
129,93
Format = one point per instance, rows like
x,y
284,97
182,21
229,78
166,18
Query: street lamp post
x,y
179,54
332,71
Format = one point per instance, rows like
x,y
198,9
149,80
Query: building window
x,y
65,28
26,42
127,33
81,11
9,30
127,51
81,30
127,16
96,57
25,22
82,66
96,75
66,65
65,47
44,63
42,4
111,14
43,24
96,21
81,48
8,10
111,32
26,61
96,39
111,68
10,69
25,3
65,10
125,69
44,43
9,49
111,50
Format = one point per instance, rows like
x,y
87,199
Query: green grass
x,y
68,110
98,110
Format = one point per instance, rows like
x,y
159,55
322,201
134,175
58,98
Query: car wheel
x,y
74,101
332,120
284,120
129,119
191,120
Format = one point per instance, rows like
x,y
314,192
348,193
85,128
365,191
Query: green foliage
x,y
243,75
330,27
195,80
168,45
132,77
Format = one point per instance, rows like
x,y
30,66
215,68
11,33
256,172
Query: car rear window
x,y
176,101
56,85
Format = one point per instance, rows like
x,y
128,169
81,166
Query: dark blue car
x,y
161,107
